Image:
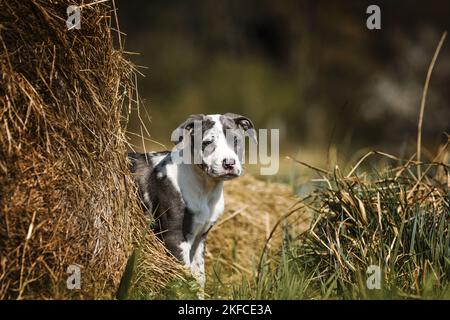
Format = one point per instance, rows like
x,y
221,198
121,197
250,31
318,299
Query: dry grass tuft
x,y
66,196
390,219
393,219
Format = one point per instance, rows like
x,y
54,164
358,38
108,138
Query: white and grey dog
x,y
186,197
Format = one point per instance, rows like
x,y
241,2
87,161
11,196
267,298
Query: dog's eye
x,y
206,143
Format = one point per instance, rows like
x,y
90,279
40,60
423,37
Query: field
x,y
361,225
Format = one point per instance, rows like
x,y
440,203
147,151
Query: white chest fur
x,y
205,202
204,199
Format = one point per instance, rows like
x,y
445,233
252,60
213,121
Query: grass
x,y
390,219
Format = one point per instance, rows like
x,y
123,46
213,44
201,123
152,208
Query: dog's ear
x,y
244,123
187,126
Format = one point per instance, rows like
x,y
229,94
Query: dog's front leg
x,y
198,267
198,263
178,246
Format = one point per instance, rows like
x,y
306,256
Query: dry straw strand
x,y
424,97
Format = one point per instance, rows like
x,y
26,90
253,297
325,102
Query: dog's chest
x,y
205,209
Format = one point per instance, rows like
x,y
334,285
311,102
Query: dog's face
x,y
216,142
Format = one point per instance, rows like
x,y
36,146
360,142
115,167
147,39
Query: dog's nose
x,y
228,164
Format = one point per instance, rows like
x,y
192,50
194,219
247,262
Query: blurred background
x,y
309,68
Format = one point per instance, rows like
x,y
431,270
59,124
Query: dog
x,y
186,197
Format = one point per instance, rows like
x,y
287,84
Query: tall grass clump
x,y
392,220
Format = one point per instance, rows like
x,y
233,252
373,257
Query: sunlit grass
x,y
391,219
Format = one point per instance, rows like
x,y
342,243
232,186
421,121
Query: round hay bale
x,y
66,196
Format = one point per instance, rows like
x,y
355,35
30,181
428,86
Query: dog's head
x,y
215,143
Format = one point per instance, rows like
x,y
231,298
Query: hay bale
x,y
252,208
65,193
